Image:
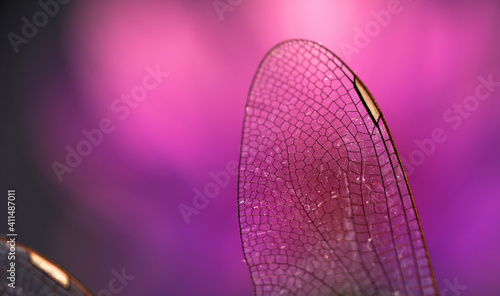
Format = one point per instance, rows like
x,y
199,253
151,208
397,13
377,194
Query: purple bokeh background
x,y
119,208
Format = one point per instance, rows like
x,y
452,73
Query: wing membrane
x,y
35,275
324,204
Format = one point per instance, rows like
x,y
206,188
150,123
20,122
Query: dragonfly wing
x,y
35,275
324,203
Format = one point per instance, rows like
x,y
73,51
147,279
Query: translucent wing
x,y
324,204
35,275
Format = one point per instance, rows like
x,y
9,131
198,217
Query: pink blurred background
x,y
119,207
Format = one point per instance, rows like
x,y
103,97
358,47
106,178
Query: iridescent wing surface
x,y
35,275
324,204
